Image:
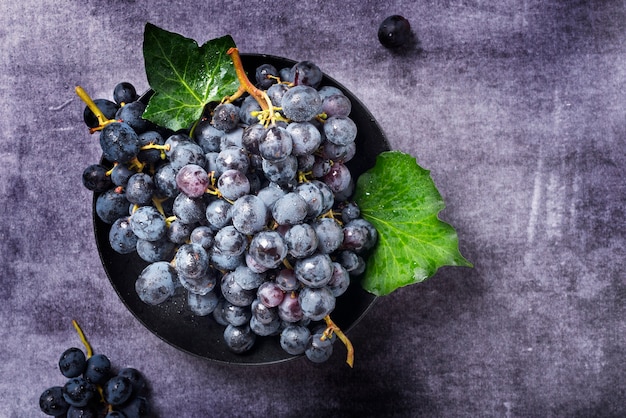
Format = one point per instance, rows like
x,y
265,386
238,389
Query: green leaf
x,y
184,76
400,199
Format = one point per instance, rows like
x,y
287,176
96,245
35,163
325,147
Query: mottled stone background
x,y
516,107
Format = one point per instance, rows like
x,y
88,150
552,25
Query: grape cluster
x,y
248,211
94,390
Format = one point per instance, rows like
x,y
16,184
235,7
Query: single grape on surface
x,y
394,31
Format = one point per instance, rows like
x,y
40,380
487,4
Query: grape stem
x,y
89,350
136,165
331,328
82,337
158,204
333,214
161,148
303,176
287,264
245,85
102,120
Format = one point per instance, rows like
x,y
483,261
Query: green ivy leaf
x,y
184,76
402,202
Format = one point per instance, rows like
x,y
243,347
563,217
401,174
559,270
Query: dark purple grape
x,y
306,73
111,205
72,362
165,181
107,107
122,238
276,93
136,378
319,349
88,411
140,189
294,339
119,142
150,155
301,103
202,304
232,158
247,108
268,249
179,232
338,178
316,303
52,402
218,213
265,76
192,261
189,210
234,293
239,339
275,144
156,283
225,117
340,280
282,172
124,92
137,407
289,309
95,178
208,136
394,31
98,369
117,390
187,152
233,184
192,180
314,271
286,280
132,114
270,294
78,391
120,174
336,105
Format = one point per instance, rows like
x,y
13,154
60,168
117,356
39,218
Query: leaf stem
x,y
331,328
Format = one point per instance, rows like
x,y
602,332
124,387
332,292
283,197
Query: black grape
x,y
394,31
132,113
107,107
265,76
119,142
95,178
306,73
124,92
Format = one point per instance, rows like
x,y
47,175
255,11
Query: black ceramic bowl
x,y
173,322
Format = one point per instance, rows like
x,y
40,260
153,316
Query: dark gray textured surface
x,y
517,108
